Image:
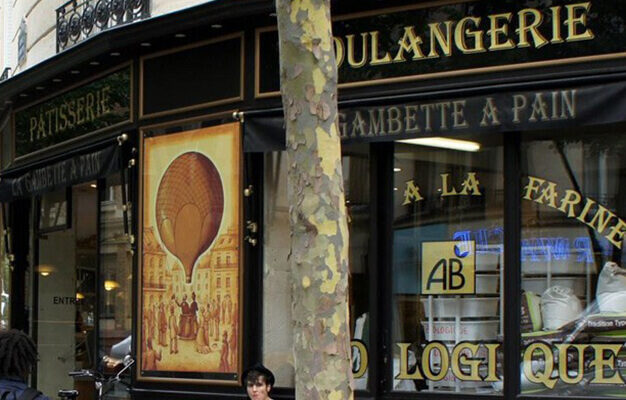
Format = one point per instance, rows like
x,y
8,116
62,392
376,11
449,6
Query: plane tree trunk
x,y
319,233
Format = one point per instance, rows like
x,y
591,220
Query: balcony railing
x,y
5,74
79,20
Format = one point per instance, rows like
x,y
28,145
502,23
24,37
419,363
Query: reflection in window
x,y
447,267
277,321
115,324
573,276
53,210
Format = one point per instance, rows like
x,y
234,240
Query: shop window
x,y
5,274
64,293
277,321
53,210
6,155
573,275
115,258
447,269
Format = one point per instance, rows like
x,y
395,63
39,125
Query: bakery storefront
x,y
145,205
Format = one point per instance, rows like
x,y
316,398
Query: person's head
x,y
259,382
18,354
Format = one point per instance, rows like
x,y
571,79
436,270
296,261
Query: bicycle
x,y
102,384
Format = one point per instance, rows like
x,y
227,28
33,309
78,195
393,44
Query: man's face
x,y
259,390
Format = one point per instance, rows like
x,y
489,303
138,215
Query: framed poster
x,y
190,300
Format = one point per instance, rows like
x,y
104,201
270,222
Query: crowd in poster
x,y
190,322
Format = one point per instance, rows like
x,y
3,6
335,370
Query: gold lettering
x,y
80,107
444,187
377,123
33,126
410,43
583,214
63,116
601,219
404,364
410,119
497,30
427,108
376,59
563,365
443,364
458,359
471,184
492,362
556,25
394,123
72,114
444,107
358,125
411,193
104,100
519,104
461,32
364,358
573,21
339,52
616,233
532,28
568,102
438,37
458,119
539,107
532,187
490,112
350,51
89,101
49,115
41,128
599,364
548,194
544,376
568,201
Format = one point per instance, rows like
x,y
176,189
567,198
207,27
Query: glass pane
x,y
277,321
356,165
64,285
447,265
53,210
574,299
115,306
7,146
5,276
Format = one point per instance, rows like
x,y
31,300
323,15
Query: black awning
x,y
264,133
83,167
551,106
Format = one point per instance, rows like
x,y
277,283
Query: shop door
x,y
64,285
81,285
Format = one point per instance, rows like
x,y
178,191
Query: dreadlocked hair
x,y
18,353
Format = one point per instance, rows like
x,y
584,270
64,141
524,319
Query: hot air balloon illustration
x,y
189,207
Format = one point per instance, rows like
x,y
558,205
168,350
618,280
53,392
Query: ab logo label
x,y
448,267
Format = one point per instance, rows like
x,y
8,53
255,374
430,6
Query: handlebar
x,y
68,394
81,373
102,384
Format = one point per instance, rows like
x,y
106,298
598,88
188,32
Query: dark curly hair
x,y
18,353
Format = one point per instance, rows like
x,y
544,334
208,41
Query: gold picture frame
x,y
190,299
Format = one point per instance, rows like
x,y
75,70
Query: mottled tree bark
x,y
319,233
